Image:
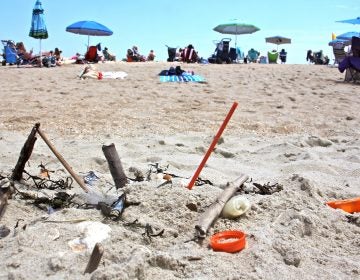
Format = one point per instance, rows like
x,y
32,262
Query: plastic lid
x,y
230,241
348,205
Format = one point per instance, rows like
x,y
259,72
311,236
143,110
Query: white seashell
x,y
91,233
235,207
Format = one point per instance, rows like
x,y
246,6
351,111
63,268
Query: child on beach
x,y
151,55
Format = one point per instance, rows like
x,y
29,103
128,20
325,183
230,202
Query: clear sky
x,y
152,24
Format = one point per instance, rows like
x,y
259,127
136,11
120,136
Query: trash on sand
x,y
348,205
230,241
90,178
235,207
116,208
91,233
212,146
149,232
267,189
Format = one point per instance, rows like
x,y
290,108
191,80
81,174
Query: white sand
x,y
296,125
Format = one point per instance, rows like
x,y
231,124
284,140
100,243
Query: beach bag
x,y
171,71
49,61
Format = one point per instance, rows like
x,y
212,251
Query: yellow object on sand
x,y
333,36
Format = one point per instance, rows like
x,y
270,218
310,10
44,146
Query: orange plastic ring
x,y
220,241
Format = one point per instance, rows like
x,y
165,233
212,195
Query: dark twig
x,y
95,258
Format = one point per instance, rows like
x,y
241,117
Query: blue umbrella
x,y
348,35
90,28
339,41
38,28
352,21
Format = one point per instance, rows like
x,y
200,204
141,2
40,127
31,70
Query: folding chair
x,y
353,71
339,52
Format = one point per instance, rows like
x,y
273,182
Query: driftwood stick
x,y
115,166
209,216
3,201
25,154
62,160
95,258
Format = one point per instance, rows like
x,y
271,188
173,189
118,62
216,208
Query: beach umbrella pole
x,y
40,54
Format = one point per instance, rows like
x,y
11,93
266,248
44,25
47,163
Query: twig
x,y
62,160
95,258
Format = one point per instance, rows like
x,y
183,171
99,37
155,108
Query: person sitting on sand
x,y
57,54
310,56
151,55
108,56
21,51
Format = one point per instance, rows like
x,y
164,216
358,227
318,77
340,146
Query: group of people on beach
x,y
20,55
184,54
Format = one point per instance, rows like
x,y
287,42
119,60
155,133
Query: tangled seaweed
x,y
47,183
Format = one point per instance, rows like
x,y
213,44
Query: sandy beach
x,y
295,125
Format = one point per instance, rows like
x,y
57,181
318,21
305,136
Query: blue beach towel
x,y
182,78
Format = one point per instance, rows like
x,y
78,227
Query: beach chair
x,y
320,59
239,55
92,55
10,53
189,54
353,62
171,54
273,56
253,55
339,52
223,52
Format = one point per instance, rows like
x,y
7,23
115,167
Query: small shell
x,y
167,177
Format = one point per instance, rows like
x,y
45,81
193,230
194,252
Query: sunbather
x,y
90,72
21,51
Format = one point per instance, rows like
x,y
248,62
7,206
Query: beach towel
x,y
182,78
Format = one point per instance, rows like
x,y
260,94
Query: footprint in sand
x,y
314,141
224,153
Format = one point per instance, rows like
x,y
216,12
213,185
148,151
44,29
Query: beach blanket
x,y
182,78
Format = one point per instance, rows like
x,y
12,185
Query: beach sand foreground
x,y
296,125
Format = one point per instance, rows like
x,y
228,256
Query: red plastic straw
x,y
212,146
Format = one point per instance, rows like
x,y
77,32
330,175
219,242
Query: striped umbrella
x,y
38,28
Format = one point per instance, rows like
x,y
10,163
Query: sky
x,y
153,24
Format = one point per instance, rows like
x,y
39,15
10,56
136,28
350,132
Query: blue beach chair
x,y
253,55
10,53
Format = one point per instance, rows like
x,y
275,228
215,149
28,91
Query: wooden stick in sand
x,y
62,160
209,216
115,166
3,201
25,154
95,258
